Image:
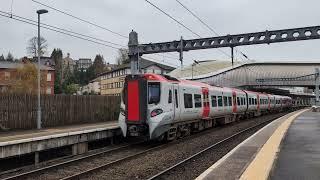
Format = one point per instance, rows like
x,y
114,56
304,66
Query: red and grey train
x,y
163,107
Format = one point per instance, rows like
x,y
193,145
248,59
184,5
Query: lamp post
x,y
39,12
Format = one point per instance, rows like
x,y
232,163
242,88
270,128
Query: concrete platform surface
x,y
13,143
9,137
233,165
299,156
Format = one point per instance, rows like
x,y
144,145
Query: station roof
x,y
261,74
203,68
213,67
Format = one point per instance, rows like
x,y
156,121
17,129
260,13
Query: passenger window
x,y
230,101
238,101
170,97
225,100
220,101
255,101
214,101
176,97
188,103
197,100
154,93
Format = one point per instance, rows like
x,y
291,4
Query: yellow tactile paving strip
x,y
261,166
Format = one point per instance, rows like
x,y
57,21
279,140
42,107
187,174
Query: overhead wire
x,y
69,31
55,30
165,62
88,22
209,27
81,19
180,23
194,15
174,19
61,32
11,7
107,29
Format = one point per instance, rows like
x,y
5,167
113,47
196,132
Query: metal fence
x,y
20,111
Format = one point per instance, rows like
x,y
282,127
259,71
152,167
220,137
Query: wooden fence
x,y
20,111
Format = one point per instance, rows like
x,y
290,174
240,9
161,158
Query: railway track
x,y
81,174
174,169
91,172
80,168
64,163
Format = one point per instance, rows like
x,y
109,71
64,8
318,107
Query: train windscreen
x,y
153,92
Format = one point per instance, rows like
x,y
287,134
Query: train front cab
x,y
133,116
149,104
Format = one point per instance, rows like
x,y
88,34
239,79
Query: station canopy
x,y
202,68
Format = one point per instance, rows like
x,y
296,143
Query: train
x,y
161,107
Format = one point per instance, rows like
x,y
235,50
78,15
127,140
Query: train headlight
x,y
156,112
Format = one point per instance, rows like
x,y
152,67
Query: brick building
x,y
9,75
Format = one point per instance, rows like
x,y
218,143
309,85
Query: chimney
x,y
68,55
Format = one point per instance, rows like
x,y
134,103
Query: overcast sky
x,y
225,16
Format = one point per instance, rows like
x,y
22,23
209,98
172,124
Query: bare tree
x,y
123,57
33,46
9,57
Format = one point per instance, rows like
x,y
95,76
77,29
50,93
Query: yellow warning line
x,y
260,167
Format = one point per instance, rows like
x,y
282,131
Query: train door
x,y
258,102
171,101
234,102
206,104
176,102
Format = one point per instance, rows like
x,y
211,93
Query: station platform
x,y
287,148
16,143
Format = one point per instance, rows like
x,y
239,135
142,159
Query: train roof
x,y
166,78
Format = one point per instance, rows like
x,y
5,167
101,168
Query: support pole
x,y
39,76
181,52
317,82
133,52
232,56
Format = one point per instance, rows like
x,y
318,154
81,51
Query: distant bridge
x,y
269,74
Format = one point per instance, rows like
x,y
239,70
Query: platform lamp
x,y
39,12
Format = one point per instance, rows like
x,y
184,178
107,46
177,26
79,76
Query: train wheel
x,y
163,138
188,131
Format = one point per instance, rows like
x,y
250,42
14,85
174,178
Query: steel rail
x,y
19,176
78,175
207,149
